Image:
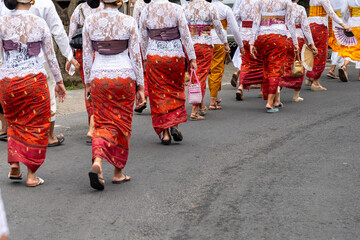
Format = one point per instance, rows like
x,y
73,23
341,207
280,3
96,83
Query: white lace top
x,y
21,26
329,10
225,12
301,19
274,8
139,6
110,24
244,10
201,12
162,14
4,229
353,21
77,19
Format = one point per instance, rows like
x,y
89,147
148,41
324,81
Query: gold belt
x,y
317,11
354,11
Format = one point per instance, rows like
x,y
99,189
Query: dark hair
x,y
93,3
11,4
147,1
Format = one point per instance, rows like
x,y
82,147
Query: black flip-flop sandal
x,y
60,140
16,178
89,141
122,181
239,95
342,75
234,80
140,110
176,134
95,181
3,137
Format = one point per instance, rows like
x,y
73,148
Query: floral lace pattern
x,y
139,6
162,14
301,19
329,10
198,12
244,10
77,19
23,27
274,8
225,12
110,24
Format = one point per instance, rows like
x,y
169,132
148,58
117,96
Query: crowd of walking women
x,y
124,60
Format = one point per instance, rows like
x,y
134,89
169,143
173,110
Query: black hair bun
x,y
147,1
11,4
93,3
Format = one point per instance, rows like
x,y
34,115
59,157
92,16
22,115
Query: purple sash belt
x,y
33,48
164,34
110,47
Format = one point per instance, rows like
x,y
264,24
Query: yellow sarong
x,y
332,40
352,52
217,69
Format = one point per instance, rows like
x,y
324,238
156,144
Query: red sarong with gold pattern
x,y
288,80
251,69
89,106
204,55
26,103
166,81
321,37
272,50
146,88
113,101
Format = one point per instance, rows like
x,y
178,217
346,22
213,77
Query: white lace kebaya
x,y
203,13
225,12
329,10
140,5
110,24
244,13
302,20
77,20
160,14
271,10
22,27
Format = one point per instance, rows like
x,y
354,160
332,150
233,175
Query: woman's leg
x,y
119,176
3,124
91,127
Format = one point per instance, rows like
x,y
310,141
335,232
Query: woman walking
x,y
164,32
269,26
320,10
303,33
114,38
81,12
201,15
24,93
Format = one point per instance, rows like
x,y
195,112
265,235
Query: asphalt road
x,y
240,174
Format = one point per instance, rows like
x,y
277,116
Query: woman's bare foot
x,y
119,177
32,180
97,167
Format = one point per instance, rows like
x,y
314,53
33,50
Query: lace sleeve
x,y
234,27
305,27
330,11
87,52
290,19
143,33
48,49
237,12
256,22
217,24
185,35
1,50
137,11
74,21
134,53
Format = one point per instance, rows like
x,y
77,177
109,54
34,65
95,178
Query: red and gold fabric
x,y
166,81
272,48
288,80
354,11
224,23
204,55
217,69
113,101
88,104
321,39
146,88
26,103
352,52
251,69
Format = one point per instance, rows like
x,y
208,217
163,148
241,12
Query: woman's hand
x,y
193,64
60,91
140,97
314,49
253,51
73,62
296,48
88,91
242,51
227,48
348,29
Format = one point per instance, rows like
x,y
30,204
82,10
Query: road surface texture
x,y
240,174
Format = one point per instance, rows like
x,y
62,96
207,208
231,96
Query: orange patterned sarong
x,y
272,48
321,38
204,55
251,69
288,80
79,58
217,70
26,103
113,101
166,81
